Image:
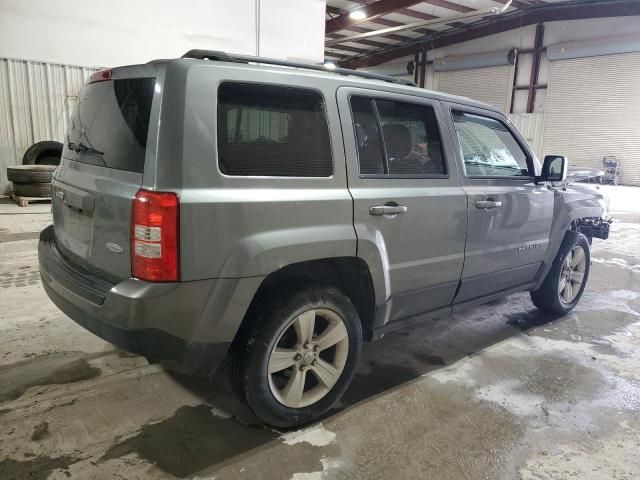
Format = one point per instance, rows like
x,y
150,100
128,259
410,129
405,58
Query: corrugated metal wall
x,y
491,85
36,100
593,110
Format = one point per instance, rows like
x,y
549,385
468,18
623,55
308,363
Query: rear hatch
x,y
102,169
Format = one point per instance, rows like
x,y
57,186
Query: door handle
x,y
387,209
488,204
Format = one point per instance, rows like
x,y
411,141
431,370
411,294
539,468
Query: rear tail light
x,y
100,76
154,236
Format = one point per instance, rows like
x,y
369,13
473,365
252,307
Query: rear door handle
x,y
488,204
387,209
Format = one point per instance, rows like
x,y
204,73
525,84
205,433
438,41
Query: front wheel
x,y
298,355
564,284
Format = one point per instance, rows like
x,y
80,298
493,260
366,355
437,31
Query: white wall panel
x,y
125,32
122,32
531,126
292,29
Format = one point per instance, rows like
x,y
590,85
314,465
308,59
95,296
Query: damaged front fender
x,y
576,207
592,227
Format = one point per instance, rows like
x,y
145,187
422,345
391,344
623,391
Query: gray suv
x,y
220,206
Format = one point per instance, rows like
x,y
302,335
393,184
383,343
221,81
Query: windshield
x,y
110,123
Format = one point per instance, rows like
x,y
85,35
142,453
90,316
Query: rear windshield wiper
x,y
81,147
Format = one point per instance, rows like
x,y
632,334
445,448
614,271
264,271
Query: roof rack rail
x,y
220,56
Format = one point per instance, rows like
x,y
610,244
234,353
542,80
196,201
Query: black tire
x,y
38,153
30,173
41,190
547,297
49,160
250,353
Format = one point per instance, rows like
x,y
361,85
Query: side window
x,y
410,145
411,138
269,130
488,147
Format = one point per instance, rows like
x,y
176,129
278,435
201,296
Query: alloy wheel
x,y
308,357
572,274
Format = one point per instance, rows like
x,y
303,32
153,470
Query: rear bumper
x,y
187,325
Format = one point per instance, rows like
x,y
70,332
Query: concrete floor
x,y
500,392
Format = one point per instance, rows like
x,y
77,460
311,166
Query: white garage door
x,y
593,110
491,85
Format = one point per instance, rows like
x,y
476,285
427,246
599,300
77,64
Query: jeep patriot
x,y
281,214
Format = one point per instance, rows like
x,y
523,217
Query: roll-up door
x,y
593,110
491,85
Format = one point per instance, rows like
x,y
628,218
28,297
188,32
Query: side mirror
x,y
554,169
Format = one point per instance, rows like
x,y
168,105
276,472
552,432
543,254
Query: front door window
x,y
488,147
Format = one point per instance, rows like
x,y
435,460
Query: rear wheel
x,y
564,284
298,356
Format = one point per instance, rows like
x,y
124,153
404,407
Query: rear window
x,y
269,130
110,123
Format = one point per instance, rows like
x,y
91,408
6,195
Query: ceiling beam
x,y
415,14
515,3
456,7
371,43
408,27
371,11
610,8
392,36
348,48
335,11
337,55
393,23
382,21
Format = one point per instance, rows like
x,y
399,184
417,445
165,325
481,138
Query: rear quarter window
x,y
270,130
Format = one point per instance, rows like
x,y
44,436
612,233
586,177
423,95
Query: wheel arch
x,y
567,216
351,275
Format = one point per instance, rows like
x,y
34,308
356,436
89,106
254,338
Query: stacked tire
x,y
33,177
47,152
31,180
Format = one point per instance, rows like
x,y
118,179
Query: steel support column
x,y
423,69
515,81
535,67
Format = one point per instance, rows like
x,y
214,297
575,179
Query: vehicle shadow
x,y
398,358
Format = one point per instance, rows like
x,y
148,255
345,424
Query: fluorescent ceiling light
x,y
329,65
358,15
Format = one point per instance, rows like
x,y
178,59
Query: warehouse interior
x,y
500,391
